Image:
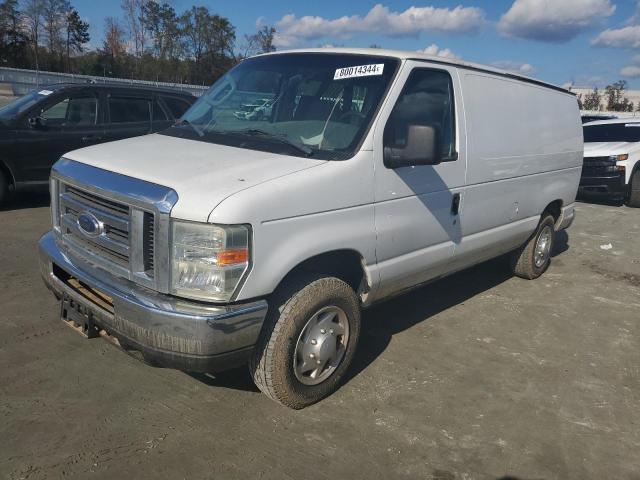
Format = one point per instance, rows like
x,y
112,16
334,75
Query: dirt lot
x,y
480,375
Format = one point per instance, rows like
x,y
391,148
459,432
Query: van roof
x,y
614,121
409,55
118,86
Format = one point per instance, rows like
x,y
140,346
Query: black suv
x,y
38,128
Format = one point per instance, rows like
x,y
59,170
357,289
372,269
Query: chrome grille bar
x,y
133,216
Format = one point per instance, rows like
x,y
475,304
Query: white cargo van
x,y
258,238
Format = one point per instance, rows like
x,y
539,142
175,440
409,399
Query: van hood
x,y
604,149
202,174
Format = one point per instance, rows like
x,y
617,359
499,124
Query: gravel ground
x,y
480,375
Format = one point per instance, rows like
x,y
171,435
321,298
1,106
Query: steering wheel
x,y
351,113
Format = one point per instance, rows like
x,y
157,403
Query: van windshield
x,y
317,105
612,132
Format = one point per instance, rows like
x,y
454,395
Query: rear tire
x,y
532,259
4,189
312,319
634,190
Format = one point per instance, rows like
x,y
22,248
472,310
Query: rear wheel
x,y
4,188
531,260
634,190
308,341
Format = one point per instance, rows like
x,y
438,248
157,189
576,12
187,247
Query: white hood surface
x,y
202,174
604,149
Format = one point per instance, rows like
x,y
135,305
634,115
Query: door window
x,y
129,110
177,106
158,113
74,111
427,100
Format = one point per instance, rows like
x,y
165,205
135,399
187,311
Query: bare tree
x,y
259,42
113,45
54,13
592,100
32,13
133,15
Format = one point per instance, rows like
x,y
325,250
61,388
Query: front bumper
x,y
610,186
167,331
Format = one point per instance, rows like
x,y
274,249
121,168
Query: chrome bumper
x,y
168,331
567,216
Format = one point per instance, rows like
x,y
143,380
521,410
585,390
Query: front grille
x,y
125,231
597,166
113,243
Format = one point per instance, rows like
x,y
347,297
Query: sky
x,y
586,43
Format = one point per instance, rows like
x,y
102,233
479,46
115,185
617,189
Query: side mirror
x,y
421,149
37,122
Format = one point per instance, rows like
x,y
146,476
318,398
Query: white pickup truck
x,y
227,240
612,160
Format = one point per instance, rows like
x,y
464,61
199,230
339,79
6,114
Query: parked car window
x,y
427,99
176,106
158,113
127,109
614,132
75,111
20,105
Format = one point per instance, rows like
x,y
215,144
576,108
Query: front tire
x,y
308,341
4,189
634,190
531,260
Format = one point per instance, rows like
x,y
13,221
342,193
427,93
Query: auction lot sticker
x,y
359,71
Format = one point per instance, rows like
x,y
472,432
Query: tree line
x,y
149,41
613,99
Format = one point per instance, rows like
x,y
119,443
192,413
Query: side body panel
x,y
525,151
303,214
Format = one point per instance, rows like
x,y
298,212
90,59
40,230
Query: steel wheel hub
x,y
543,247
321,345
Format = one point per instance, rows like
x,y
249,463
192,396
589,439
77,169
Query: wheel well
x,y
347,265
4,169
555,210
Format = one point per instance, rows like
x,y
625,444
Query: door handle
x,y
455,204
89,138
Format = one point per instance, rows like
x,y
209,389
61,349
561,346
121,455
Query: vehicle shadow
x,y
27,199
601,201
382,321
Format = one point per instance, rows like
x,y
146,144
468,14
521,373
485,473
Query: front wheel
x,y
4,189
532,259
634,190
308,341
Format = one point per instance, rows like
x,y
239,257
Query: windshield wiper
x,y
280,138
196,128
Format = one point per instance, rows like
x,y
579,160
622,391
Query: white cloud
x,y
436,51
625,37
553,20
515,67
630,71
292,30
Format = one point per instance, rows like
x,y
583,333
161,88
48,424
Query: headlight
x,y
619,158
208,261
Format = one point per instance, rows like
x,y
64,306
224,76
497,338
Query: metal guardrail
x,y
22,81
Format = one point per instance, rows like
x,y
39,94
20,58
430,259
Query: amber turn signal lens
x,y
233,257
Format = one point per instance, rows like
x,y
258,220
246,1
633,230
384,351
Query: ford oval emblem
x,y
89,224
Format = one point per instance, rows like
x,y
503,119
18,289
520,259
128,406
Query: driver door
x,y
68,122
417,207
